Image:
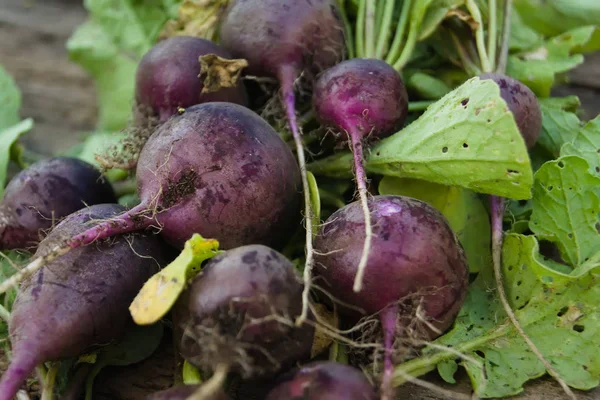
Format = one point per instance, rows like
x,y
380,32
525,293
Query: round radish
x,y
45,192
167,77
239,312
324,381
416,263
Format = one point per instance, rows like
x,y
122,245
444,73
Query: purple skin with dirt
x,y
416,260
522,103
183,392
167,77
219,170
42,194
324,381
80,301
232,314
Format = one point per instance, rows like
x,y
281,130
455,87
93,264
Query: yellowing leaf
x,y
160,292
190,374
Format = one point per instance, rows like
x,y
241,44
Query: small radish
x,y
238,314
45,192
324,381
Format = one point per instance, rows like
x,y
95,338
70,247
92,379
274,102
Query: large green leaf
x,y
566,208
559,126
10,100
558,312
553,17
8,137
538,67
586,145
468,138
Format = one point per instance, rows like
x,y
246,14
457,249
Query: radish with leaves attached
x,y
284,39
218,170
417,270
80,301
367,100
44,193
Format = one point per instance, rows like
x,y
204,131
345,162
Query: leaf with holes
x,y
566,203
586,145
468,138
559,126
558,311
464,210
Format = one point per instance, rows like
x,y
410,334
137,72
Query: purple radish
x,y
167,77
522,103
183,392
415,255
45,192
366,99
80,301
218,170
238,313
284,39
324,381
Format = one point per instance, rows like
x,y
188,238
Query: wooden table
x,y
60,97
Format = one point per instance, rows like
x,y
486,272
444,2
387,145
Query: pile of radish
x,y
210,165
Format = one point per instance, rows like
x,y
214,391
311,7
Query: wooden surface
x,y
60,97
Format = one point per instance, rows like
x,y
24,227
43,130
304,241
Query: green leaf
x,y
566,208
538,67
160,292
522,37
139,343
10,100
468,138
190,374
557,311
435,15
109,46
427,86
447,369
464,210
8,137
586,145
553,17
559,126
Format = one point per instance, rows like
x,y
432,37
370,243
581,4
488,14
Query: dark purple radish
x,y
324,381
218,170
367,100
284,39
41,195
183,392
416,262
80,301
238,313
167,77
522,103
